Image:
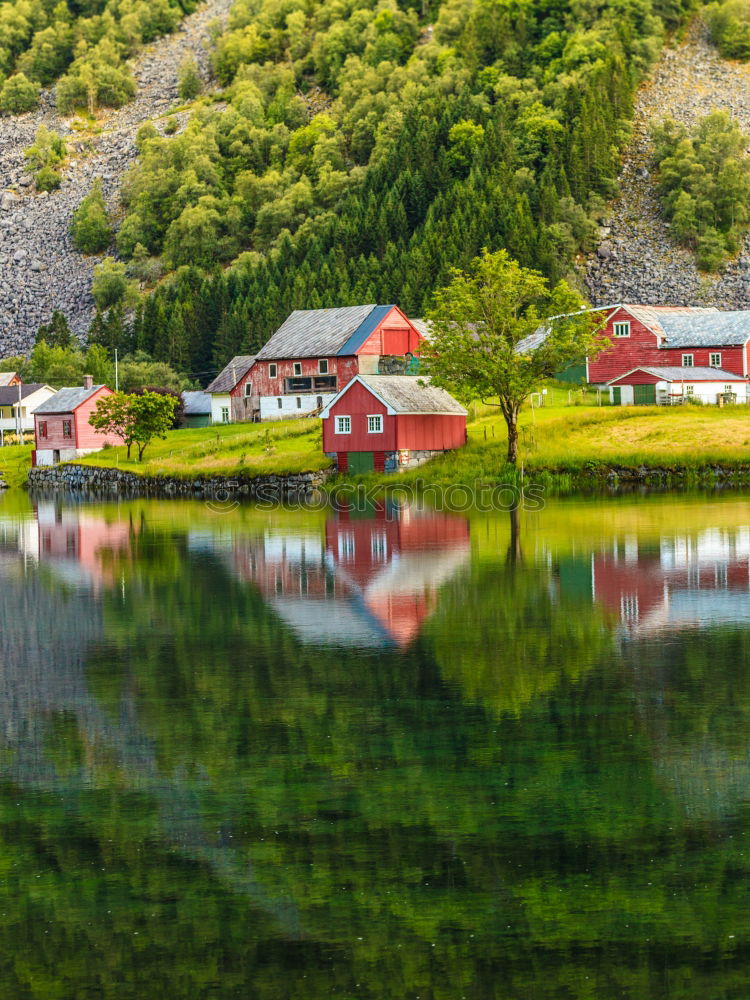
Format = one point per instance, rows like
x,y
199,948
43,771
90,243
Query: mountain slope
x,y
638,260
39,268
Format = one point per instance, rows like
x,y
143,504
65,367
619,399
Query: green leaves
x,y
90,226
704,182
137,419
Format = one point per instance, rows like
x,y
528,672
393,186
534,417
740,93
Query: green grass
x,y
15,462
229,449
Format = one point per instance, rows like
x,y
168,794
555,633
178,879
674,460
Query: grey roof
x,y
704,329
196,403
423,326
407,394
674,373
308,333
9,393
67,400
5,377
234,372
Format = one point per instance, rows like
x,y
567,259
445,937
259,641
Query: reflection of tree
x,y
504,634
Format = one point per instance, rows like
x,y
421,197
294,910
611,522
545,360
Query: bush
x,y
89,227
19,94
111,286
704,183
47,179
189,83
729,23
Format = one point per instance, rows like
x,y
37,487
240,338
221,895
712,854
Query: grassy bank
x,y
566,445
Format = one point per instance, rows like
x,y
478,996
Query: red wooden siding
x,y
430,431
641,349
359,403
83,434
394,335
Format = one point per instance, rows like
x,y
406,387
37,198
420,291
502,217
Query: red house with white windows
x,y
316,352
671,336
61,425
382,422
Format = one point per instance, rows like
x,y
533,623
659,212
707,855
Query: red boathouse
x,y
382,422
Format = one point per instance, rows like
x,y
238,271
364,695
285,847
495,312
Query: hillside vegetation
x,y
366,147
83,44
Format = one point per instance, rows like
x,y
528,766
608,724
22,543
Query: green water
x,y
294,755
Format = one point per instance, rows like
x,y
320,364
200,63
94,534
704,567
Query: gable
x,y
393,335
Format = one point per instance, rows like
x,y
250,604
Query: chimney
x,y
88,381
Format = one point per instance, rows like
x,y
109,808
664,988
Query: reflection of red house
x,y
688,582
371,582
79,543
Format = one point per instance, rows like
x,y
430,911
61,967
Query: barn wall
x,y
86,436
358,403
394,335
430,432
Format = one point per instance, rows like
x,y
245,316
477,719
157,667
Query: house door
x,y
644,395
360,462
616,395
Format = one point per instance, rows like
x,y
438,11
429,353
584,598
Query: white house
x,y
229,403
665,385
31,396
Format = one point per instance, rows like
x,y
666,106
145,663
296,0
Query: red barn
x,y
381,422
671,336
61,425
316,352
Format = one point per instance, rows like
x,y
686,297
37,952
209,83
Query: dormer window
x,y
621,329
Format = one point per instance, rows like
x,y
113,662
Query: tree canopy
x,y
483,343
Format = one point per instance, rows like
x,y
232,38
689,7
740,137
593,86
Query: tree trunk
x,y
511,419
515,555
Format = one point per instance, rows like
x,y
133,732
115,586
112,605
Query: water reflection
x,y
308,757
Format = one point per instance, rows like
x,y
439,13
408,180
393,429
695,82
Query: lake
x,y
389,753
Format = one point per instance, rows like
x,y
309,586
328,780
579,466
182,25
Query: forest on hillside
x,y
356,150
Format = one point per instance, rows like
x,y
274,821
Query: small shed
x,y
667,385
196,410
230,392
61,425
384,422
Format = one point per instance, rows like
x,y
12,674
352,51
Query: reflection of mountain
x,y
371,583
683,583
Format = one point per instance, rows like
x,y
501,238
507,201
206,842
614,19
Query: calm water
x,y
290,755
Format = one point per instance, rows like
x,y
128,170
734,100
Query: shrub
x,y
47,179
111,285
729,23
89,227
19,94
704,184
189,83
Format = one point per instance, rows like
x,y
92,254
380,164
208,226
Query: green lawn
x,y
226,449
15,462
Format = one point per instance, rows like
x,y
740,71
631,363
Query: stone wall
x,y
222,490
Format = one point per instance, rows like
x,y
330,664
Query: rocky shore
x,y
40,270
637,259
220,492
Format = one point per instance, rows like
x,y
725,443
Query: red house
x,y
671,336
316,352
61,425
381,422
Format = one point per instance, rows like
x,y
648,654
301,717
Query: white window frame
x,y
342,424
248,388
225,414
712,362
624,328
688,361
323,366
272,370
374,423
728,389
689,390
296,369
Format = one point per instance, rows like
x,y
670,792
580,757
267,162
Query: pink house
x,y
61,425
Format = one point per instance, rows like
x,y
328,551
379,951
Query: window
x,y
379,547
323,366
225,414
714,360
299,402
689,390
621,329
728,389
67,428
248,388
297,367
343,425
687,360
279,402
375,424
347,547
42,428
272,371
